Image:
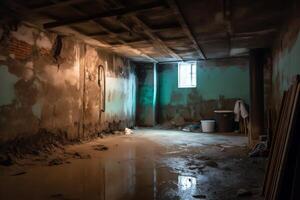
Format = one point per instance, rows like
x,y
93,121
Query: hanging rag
x,y
240,111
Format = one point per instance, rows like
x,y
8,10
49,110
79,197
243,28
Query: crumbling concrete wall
x,y
50,82
219,84
286,59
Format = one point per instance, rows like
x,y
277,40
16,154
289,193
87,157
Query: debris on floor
x,y
259,149
128,131
81,155
43,142
178,120
192,128
100,147
193,164
56,161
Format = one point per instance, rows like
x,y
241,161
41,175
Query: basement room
x,y
149,99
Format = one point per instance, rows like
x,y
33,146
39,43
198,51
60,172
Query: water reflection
x,y
186,182
132,171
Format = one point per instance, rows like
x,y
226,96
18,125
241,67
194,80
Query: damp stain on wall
x,y
219,85
286,60
61,94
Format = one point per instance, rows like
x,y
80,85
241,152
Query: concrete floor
x,y
149,164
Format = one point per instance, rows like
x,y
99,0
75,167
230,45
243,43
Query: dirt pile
x,y
42,143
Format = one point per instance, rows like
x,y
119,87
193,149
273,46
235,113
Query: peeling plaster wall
x,y
286,59
61,95
219,85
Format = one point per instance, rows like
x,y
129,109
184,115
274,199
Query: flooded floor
x,y
149,164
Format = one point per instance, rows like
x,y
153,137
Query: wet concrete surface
x,y
149,164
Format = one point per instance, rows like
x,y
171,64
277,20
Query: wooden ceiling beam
x,y
54,5
153,30
115,36
165,28
149,32
154,38
186,28
111,13
137,42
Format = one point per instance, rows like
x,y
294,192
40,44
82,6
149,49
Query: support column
x,y
257,59
146,94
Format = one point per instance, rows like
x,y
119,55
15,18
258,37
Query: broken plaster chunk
x,y
128,131
56,161
100,147
81,155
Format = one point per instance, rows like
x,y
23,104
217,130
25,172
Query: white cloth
x,y
240,110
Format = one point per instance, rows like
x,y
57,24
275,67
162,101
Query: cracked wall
x,y
61,94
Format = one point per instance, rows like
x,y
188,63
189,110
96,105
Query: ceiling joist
x,y
55,5
174,6
111,13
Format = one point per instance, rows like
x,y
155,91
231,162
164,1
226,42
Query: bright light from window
x,y
187,75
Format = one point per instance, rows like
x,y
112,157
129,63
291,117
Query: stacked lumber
x,y
282,176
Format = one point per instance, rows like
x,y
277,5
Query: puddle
x,y
132,167
126,171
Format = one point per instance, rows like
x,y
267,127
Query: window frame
x,y
191,74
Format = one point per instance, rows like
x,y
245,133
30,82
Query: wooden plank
x,y
279,181
286,142
111,13
269,167
186,28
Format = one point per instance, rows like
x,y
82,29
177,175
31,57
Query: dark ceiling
x,y
158,31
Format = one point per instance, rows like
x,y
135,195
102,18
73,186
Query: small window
x,y
187,75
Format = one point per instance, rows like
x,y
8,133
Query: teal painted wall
x,y
219,85
146,95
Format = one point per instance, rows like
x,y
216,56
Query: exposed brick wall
x,y
44,52
20,49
